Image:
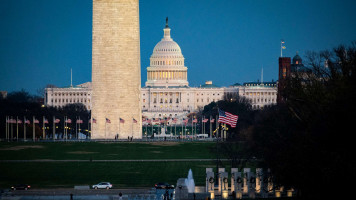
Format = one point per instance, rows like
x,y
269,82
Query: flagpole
x,y
88,129
6,120
17,128
79,126
202,128
33,128
12,131
64,128
217,126
24,129
43,129
192,127
211,126
54,128
6,126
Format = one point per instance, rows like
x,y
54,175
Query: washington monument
x,y
116,76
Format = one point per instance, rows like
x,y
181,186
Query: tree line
x,y
21,104
307,140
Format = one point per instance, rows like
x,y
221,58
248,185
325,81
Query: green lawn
x,y
122,175
106,151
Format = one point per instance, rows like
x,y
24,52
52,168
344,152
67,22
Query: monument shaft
x,y
116,76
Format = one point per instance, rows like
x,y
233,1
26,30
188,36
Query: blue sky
x,y
226,41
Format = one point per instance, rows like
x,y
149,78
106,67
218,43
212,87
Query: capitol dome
x,y
167,47
166,63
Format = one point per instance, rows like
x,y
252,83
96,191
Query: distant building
x,y
287,69
59,97
259,94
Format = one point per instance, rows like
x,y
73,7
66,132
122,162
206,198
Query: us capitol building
x,y
166,92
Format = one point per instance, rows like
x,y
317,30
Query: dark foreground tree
x,y
308,141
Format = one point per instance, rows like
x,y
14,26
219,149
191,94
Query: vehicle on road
x,y
163,186
102,185
20,187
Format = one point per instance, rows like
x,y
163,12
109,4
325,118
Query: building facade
x,y
62,96
259,94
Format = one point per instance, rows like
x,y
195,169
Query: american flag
x,y
134,120
156,119
195,120
12,121
227,118
108,120
36,121
56,121
93,120
185,120
205,120
19,121
27,121
45,121
122,120
79,121
68,121
212,120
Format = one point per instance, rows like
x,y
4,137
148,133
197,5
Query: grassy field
x,y
106,151
121,174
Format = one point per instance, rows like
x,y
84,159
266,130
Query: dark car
x,y
163,186
21,187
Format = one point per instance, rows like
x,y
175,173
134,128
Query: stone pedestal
x,y
251,185
221,170
245,180
236,183
209,182
224,184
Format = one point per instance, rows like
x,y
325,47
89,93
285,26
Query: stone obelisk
x,y
116,76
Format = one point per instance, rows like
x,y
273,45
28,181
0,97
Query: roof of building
x,y
209,84
259,84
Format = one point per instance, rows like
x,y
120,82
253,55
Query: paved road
x,y
59,194
147,160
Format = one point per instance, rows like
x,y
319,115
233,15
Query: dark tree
x,y
307,141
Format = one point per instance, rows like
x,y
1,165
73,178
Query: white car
x,y
102,185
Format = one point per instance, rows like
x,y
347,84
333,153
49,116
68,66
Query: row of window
x,y
69,94
202,94
70,100
165,100
260,93
263,100
167,62
166,94
167,75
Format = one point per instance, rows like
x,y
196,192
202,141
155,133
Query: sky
x,y
225,41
